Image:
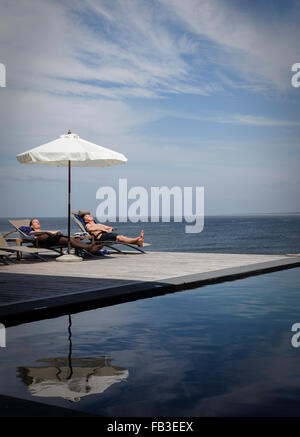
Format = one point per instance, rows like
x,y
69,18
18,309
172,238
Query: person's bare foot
x,y
140,240
94,248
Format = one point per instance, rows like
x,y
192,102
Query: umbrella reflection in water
x,y
71,378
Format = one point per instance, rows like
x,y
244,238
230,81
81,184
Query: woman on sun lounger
x,y
103,232
51,238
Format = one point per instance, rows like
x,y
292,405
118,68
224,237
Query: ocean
x,y
261,234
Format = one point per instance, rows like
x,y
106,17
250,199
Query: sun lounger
x,y
17,224
5,256
111,244
21,249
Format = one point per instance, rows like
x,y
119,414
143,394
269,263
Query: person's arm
x,y
37,233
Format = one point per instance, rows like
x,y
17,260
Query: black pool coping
x,y
48,307
17,407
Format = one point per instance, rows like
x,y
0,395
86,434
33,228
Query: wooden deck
x,y
32,290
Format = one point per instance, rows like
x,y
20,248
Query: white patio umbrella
x,y
71,151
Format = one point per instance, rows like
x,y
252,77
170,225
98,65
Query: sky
x,y
193,93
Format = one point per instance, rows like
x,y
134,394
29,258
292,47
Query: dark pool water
x,y
219,350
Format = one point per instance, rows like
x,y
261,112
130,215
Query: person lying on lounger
x,y
102,232
52,238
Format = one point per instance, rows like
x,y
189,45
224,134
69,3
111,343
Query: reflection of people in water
x,y
71,379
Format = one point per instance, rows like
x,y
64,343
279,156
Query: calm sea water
x,y
266,234
219,350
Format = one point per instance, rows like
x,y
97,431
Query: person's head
x,y
35,224
87,218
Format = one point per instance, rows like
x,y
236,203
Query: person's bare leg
x,y
93,247
138,240
78,244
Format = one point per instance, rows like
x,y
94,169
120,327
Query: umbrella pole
x,y
69,207
70,348
69,256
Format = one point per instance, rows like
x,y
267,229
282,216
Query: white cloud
x,y
28,119
260,47
132,48
238,119
255,120
52,46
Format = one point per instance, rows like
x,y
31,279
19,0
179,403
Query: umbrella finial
x,y
69,132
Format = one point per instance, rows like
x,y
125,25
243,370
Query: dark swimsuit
x,y
103,236
51,240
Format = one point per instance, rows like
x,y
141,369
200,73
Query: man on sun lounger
x,y
52,238
102,232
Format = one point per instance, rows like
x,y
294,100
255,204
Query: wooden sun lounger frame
x,y
109,243
25,239
19,249
5,256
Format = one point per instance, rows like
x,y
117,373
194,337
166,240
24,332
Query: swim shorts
x,y
52,240
108,236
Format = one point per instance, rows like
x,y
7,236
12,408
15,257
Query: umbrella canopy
x,y
71,150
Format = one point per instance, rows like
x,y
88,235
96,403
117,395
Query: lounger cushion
x,y
26,230
81,219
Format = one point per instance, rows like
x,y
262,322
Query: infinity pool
x,y
219,350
